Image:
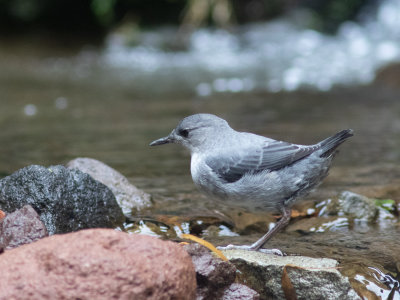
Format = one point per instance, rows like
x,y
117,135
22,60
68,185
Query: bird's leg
x,y
286,212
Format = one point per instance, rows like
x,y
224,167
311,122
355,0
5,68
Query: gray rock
x,y
66,200
128,196
21,227
316,278
358,206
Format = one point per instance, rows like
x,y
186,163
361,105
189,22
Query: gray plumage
x,y
248,170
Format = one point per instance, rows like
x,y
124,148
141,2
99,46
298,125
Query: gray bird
x,y
252,171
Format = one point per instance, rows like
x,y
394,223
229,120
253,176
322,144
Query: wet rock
x,y
210,268
359,253
213,274
97,264
358,206
21,227
312,278
128,196
65,199
215,277
238,291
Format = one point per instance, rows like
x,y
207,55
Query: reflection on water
x,y
336,224
372,285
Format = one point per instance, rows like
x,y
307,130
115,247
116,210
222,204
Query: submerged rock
x,y
21,227
128,196
215,277
312,278
358,206
97,264
349,211
66,200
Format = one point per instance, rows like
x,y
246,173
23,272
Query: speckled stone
x,y
129,197
65,199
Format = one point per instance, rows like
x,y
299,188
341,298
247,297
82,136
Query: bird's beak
x,y
165,140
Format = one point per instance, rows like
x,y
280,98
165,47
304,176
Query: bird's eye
x,y
184,133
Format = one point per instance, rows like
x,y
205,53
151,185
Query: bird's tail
x,y
330,144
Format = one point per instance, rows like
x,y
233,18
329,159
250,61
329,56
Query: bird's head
x,y
196,132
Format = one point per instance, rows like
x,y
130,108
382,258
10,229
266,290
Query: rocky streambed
x,y
53,246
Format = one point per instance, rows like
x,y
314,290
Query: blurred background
x,y
103,78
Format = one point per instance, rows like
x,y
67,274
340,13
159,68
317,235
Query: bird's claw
x,y
249,248
234,247
273,251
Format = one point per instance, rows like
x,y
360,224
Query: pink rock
x,y
97,264
238,291
215,277
23,226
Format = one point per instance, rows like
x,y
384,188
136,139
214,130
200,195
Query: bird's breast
x,y
195,164
202,175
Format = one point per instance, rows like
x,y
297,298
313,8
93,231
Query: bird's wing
x,y
271,156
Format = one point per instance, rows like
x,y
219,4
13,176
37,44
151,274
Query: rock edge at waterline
x,y
312,278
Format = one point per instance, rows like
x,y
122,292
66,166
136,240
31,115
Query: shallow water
x,y
280,55
49,118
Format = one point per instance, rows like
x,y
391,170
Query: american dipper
x,y
252,171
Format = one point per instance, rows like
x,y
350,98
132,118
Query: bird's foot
x,y
273,251
251,248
